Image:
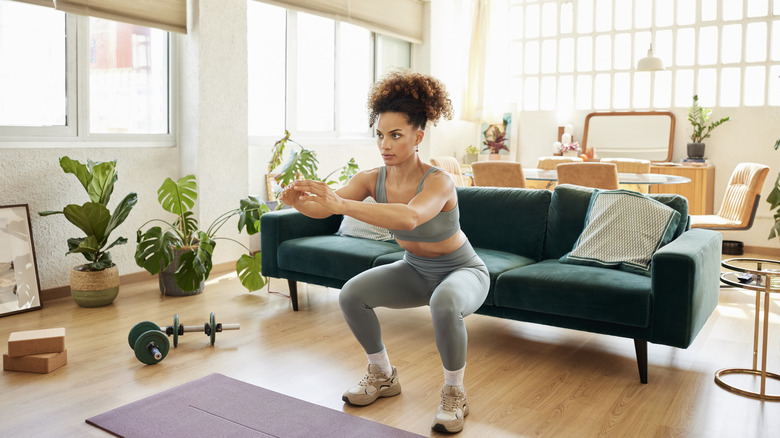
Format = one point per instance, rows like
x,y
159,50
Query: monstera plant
x,y
182,251
774,202
95,283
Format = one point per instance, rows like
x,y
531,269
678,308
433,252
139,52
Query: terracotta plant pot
x,y
94,288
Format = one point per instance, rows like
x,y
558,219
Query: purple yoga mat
x,y
219,406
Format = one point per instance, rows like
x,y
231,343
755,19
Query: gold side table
x,y
763,277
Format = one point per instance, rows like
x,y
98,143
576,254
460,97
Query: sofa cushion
x,y
332,255
354,228
569,206
623,229
505,219
586,292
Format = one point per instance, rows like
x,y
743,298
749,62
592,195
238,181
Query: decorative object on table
x,y
95,284
19,284
774,203
181,253
495,137
699,117
471,154
571,149
301,164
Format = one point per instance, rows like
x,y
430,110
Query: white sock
x,y
382,360
454,378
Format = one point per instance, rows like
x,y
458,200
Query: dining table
x,y
623,178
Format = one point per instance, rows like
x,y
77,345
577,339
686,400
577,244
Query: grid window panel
x,y
755,42
621,91
683,87
547,99
755,80
732,10
707,86
729,86
758,8
566,55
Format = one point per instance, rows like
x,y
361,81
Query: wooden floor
x,y
522,379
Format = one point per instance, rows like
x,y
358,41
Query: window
x,y
727,52
124,94
311,75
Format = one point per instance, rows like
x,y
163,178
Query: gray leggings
x,y
453,285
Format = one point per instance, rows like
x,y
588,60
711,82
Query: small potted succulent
x,y
471,154
96,283
699,117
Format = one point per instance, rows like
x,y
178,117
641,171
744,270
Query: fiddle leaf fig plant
x,y
155,246
774,202
94,217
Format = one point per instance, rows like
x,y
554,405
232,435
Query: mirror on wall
x,y
19,285
647,135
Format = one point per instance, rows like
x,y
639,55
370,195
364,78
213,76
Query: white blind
x,y
398,18
48,3
170,15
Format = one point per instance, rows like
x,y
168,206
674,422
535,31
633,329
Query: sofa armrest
x,y
685,286
281,225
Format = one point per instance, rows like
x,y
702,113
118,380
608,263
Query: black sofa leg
x,y
641,359
293,285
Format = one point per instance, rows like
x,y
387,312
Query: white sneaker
x,y
374,385
452,410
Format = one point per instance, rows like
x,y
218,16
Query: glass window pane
x,y
354,77
732,9
531,94
729,86
642,89
516,20
683,88
584,92
516,91
709,10
391,53
731,51
549,56
32,88
621,91
128,78
531,57
686,39
601,91
622,51
565,93
706,87
566,55
663,46
774,86
708,45
776,40
567,17
641,44
664,12
755,79
265,51
603,15
623,15
686,12
532,21
758,8
549,19
584,16
603,52
515,58
755,42
662,95
315,94
643,14
584,53
547,100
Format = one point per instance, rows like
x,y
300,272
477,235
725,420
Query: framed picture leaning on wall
x,y
19,284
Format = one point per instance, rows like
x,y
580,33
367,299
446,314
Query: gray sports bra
x,y
443,226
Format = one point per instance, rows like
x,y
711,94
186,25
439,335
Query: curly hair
x,y
422,98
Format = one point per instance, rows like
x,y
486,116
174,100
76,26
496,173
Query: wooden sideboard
x,y
700,192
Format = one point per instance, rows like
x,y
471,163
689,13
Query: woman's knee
x,y
444,307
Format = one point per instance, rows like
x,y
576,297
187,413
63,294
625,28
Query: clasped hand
x,y
302,193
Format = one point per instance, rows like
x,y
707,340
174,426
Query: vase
x,y
696,150
94,288
495,157
571,154
469,158
167,281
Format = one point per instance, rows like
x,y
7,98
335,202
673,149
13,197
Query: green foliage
x,y
93,217
471,149
303,164
699,117
156,246
774,202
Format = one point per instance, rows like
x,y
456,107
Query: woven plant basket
x,y
168,284
94,288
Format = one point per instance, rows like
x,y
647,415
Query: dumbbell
x,y
210,328
148,342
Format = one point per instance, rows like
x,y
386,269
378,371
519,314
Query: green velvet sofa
x,y
521,234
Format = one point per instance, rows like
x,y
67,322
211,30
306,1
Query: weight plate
x,y
152,337
140,328
212,320
175,330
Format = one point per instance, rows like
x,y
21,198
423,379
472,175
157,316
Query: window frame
x,y
75,132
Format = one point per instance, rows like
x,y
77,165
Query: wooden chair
x,y
598,175
451,166
550,163
631,165
498,174
740,203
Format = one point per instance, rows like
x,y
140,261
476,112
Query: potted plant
x,y
95,283
471,154
774,203
182,253
494,142
699,117
302,163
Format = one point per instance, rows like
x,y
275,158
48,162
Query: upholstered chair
x,y
631,165
498,174
740,202
598,175
549,163
451,166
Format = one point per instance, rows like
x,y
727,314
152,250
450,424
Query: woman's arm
x,y
355,189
